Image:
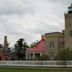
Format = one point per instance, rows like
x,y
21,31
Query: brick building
x,y
5,50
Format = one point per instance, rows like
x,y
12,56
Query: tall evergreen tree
x,y
20,49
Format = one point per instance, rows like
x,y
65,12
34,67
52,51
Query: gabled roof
x,y
38,48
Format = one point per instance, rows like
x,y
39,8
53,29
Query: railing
x,y
37,63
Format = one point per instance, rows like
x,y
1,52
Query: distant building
x,y
5,50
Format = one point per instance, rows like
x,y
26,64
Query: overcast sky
x,y
29,19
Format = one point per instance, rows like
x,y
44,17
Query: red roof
x,y
38,48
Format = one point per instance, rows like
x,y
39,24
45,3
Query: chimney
x,y
42,37
5,42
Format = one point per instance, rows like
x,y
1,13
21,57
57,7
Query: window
x,y
51,54
51,44
71,33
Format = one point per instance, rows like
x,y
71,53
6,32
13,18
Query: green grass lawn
x,y
7,69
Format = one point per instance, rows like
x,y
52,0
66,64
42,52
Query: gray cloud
x,y
16,7
46,18
43,27
60,1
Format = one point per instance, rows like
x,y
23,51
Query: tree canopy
x,y
35,43
65,54
20,49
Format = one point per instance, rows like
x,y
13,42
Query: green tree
x,y
20,49
65,54
34,44
44,57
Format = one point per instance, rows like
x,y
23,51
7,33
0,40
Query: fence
x,y
37,63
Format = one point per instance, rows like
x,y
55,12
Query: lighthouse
x,y
68,28
70,9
